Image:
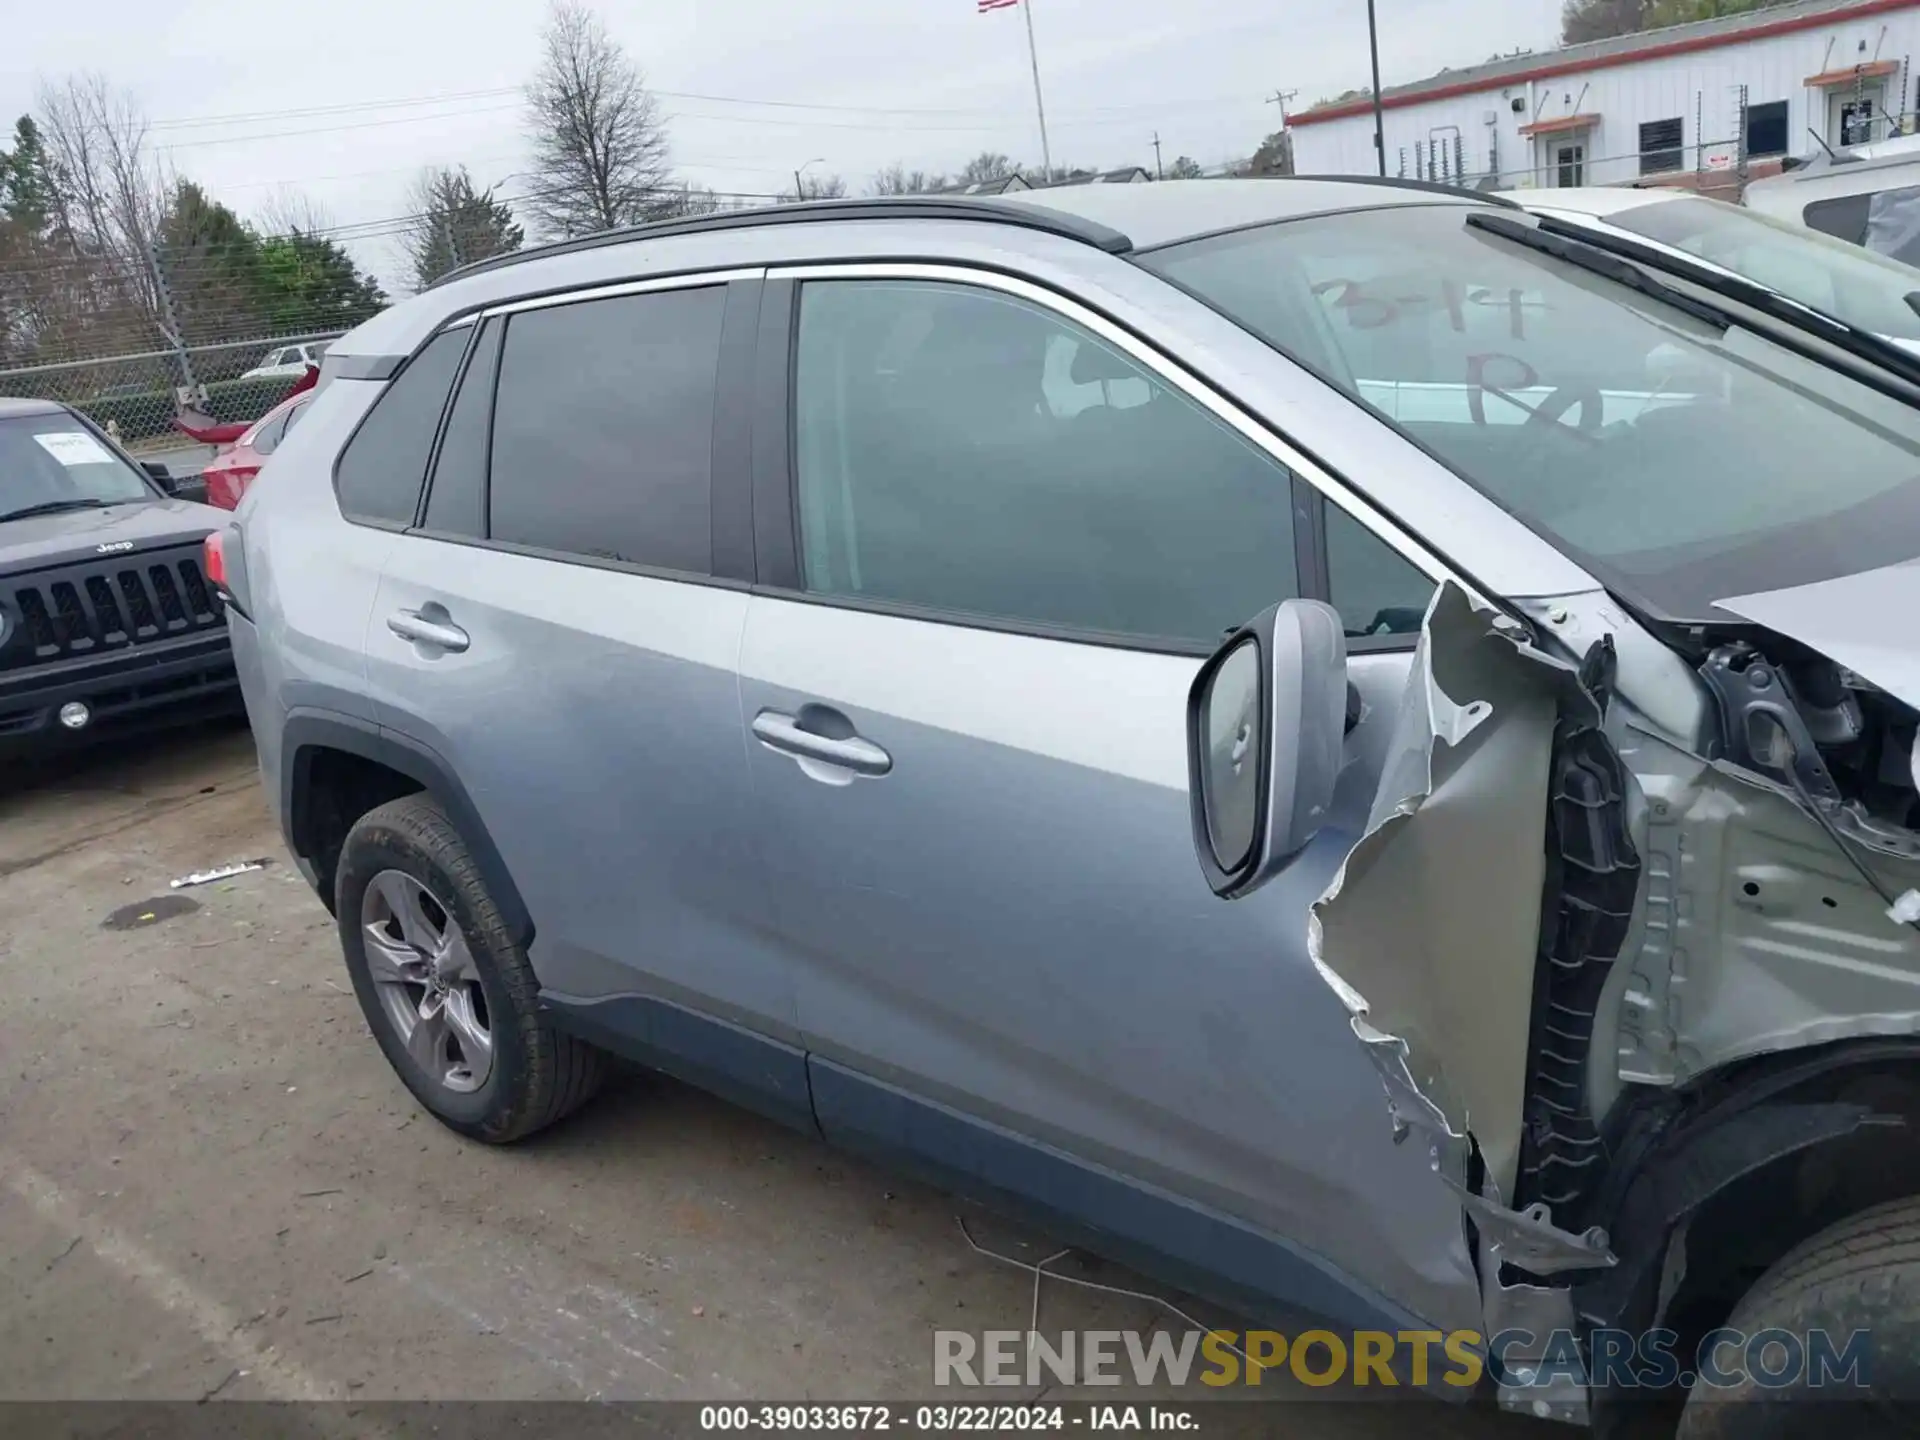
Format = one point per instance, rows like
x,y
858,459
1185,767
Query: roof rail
x,y
916,207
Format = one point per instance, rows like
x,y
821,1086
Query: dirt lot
x,y
211,1184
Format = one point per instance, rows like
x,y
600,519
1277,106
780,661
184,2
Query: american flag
x,y
986,5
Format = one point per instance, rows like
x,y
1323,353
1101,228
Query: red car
x,y
232,469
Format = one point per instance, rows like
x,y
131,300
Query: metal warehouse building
x,y
1707,104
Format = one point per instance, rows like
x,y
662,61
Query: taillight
x,y
216,560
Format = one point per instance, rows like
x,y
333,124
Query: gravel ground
x,y
212,1185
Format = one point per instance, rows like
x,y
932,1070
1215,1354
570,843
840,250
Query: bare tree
x,y
687,198
1185,167
599,141
987,165
896,179
109,194
815,187
97,136
288,211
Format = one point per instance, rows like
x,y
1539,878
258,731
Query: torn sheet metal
x,y
1429,931
1863,621
207,877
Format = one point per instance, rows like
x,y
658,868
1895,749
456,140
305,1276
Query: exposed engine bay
x,y
1797,717
1600,867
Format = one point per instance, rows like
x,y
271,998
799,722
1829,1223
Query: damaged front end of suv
x,y
1628,936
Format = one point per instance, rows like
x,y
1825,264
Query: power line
x,y
996,128
353,107
190,122
334,129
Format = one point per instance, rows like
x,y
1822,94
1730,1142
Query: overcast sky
x,y
346,100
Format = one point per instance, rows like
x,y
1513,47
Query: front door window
x,y
965,451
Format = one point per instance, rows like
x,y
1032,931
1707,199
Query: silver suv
x,y
770,646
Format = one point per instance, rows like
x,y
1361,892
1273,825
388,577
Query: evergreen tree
x,y
454,224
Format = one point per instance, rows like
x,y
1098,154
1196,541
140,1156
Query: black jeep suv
x,y
107,621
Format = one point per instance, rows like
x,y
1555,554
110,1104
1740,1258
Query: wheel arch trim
x,y
307,732
1693,1147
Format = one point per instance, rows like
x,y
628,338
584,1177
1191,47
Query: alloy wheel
x,y
425,978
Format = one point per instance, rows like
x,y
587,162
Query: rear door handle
x,y
424,630
783,733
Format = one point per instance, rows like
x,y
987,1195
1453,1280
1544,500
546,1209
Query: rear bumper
x,y
137,688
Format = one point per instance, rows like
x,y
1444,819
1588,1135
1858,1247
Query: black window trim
x,y
467,359
614,290
400,527
776,506
730,483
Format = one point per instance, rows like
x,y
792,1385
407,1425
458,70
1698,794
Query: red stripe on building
x,y
1548,69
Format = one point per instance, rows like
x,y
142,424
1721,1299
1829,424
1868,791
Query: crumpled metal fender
x,y
1429,931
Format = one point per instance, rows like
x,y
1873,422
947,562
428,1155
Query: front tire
x,y
1861,1274
448,993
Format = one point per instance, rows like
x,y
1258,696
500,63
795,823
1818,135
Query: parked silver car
x,y
1872,292
770,646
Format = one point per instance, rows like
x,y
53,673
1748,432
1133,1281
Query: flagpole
x,y
1039,105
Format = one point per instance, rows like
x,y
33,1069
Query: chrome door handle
x,y
783,733
441,634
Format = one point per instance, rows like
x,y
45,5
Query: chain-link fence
x,y
136,397
195,322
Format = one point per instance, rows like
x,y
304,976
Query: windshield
x,y
1836,278
48,460
1678,460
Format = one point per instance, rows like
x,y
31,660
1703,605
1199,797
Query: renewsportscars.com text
x,y
1725,1358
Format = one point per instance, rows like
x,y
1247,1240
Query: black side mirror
x,y
180,487
1266,718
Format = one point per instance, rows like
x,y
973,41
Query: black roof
x,y
904,207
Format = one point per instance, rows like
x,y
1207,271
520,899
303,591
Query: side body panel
x,y
1008,930
595,719
1007,964
312,579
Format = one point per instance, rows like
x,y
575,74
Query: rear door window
x,y
380,473
603,429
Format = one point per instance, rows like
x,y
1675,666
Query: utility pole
x,y
1379,129
1158,173
1281,98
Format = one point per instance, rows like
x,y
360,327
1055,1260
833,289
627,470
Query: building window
x,y
1662,146
1856,121
1570,165
1767,128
